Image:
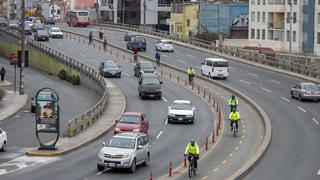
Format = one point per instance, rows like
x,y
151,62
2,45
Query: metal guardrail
x,y
87,118
226,52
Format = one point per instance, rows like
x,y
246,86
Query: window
x,y
263,17
318,38
258,33
294,34
253,2
258,16
288,35
288,17
295,2
294,17
263,34
258,2
188,22
263,2
252,16
289,1
252,33
209,63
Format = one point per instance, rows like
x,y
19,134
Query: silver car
x,y
124,150
181,111
303,91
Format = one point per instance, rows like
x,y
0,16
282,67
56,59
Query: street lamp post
x,y
21,83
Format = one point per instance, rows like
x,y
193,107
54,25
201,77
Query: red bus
x,y
77,18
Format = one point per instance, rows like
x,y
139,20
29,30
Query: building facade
x,y
283,26
4,8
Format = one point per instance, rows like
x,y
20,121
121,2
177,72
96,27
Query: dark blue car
x,y
137,42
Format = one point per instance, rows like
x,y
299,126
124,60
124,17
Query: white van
x,y
215,67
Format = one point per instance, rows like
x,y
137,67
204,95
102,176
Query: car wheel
x,y
169,121
140,94
292,96
4,146
300,97
100,168
159,97
192,121
133,166
146,161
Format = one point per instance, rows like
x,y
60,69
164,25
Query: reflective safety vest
x,y
192,149
233,102
191,71
234,116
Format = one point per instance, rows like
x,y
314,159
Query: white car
x,y
3,140
164,45
181,111
55,32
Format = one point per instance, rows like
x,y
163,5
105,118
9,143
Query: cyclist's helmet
x,y
232,97
192,142
234,109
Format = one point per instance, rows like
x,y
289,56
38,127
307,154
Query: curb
x,y
31,152
18,108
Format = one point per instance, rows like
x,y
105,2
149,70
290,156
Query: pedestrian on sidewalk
x,y
2,73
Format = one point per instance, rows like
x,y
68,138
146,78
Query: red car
x,y
132,121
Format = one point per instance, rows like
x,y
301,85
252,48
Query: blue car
x,y
137,42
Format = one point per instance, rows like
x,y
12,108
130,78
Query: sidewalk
x,y
11,102
114,109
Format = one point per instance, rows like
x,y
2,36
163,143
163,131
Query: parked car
x,y
3,22
164,45
37,26
181,111
129,35
49,20
27,30
41,35
149,86
55,32
3,140
124,151
137,42
132,121
110,69
142,67
304,91
14,25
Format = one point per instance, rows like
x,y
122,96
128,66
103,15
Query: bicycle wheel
x,y
234,130
190,171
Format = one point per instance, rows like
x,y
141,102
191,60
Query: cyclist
x,y
157,56
90,37
233,102
192,149
191,72
104,41
234,117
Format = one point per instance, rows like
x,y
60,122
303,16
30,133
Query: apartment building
x,y
317,28
284,25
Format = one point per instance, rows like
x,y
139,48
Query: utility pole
x,y
290,28
21,84
199,17
144,13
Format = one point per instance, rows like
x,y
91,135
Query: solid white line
x,y
285,99
94,60
182,61
319,172
164,99
245,81
126,74
82,55
275,81
70,49
301,109
166,56
256,75
166,121
317,122
159,135
265,89
190,55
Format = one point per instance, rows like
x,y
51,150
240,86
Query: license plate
x,y
312,93
112,164
220,74
151,95
180,118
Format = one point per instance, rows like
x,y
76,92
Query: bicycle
x,y
233,107
234,126
191,170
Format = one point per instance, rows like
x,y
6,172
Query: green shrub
x,y
68,78
62,74
75,79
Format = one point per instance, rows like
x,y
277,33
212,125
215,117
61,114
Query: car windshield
x,y
111,65
139,39
55,30
181,106
45,96
150,80
220,64
310,87
167,42
42,32
38,25
146,66
118,142
130,119
83,13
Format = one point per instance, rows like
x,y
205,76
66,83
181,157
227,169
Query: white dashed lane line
x,y
126,74
277,82
82,55
317,122
166,56
159,135
190,55
285,99
70,49
245,81
182,61
164,99
255,75
265,89
94,60
301,109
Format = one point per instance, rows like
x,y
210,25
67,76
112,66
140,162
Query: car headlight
x,y
127,155
101,153
189,115
136,130
170,114
117,129
141,71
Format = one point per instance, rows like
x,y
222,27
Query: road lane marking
x,y
301,109
100,172
319,172
166,56
317,122
94,60
159,135
70,49
243,131
82,55
255,75
277,82
245,81
165,123
285,99
182,61
215,169
190,55
164,99
205,177
224,162
240,142
126,74
231,154
265,89
237,148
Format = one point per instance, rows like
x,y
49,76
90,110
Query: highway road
x,y
20,127
293,152
168,140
